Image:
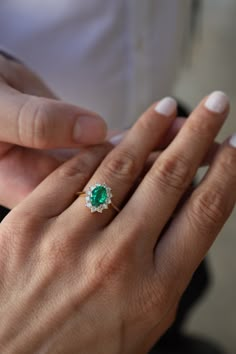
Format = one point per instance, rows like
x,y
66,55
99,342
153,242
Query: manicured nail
x,y
232,141
217,102
115,140
89,129
166,107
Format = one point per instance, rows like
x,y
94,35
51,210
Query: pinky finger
x,y
199,221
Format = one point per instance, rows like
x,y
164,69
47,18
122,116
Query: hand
x,y
32,120
77,282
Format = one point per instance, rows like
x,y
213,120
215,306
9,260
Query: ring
x,y
98,198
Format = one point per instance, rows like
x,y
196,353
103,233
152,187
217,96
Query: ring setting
x,y
98,198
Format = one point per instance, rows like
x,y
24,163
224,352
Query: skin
x,y
76,282
32,122
33,140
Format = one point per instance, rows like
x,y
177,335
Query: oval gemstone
x,y
98,196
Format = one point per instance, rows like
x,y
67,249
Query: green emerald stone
x,y
98,196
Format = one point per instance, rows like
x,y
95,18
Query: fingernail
x,y
166,107
232,141
89,129
217,102
115,140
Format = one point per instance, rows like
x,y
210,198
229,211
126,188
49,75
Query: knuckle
x,y
35,131
121,166
173,172
209,208
84,163
75,168
40,128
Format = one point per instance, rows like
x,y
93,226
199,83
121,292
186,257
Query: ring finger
x,y
122,166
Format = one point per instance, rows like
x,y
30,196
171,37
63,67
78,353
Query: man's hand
x,y
32,120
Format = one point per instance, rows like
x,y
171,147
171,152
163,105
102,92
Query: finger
x,y
46,123
21,170
209,157
171,133
122,166
57,191
174,129
158,195
207,160
197,224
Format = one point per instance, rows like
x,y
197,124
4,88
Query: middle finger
x,y
155,200
122,166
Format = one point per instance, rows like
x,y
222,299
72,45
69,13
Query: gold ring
x,y
98,198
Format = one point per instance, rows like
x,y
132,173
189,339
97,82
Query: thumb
x,y
31,115
43,123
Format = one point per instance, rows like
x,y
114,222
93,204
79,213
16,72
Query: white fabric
x,y
112,56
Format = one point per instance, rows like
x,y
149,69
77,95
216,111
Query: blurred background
x,y
211,65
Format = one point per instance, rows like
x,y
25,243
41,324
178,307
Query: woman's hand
x,y
32,118
34,125
77,282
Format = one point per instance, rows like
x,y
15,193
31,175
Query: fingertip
x,y
217,102
89,130
166,107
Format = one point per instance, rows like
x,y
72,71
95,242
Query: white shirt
x,y
114,57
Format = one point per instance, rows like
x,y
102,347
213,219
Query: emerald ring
x,y
98,198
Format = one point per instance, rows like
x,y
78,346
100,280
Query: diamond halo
x,y
98,197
